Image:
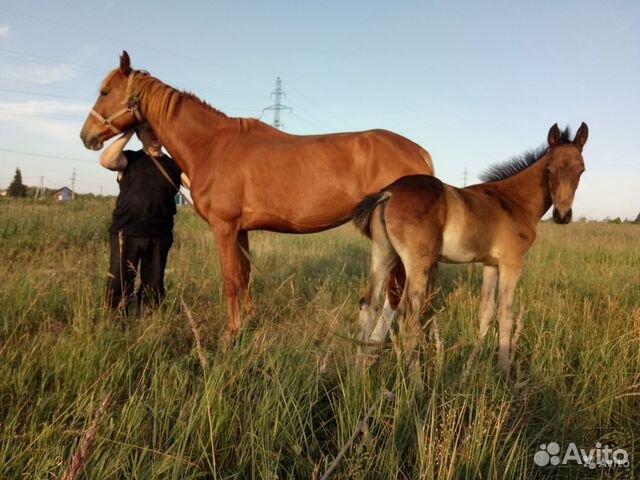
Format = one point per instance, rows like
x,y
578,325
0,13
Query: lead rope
x,y
165,174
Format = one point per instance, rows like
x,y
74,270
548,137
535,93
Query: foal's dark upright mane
x,y
516,164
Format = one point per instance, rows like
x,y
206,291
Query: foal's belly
x,y
456,247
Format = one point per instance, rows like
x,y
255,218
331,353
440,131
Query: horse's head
x,y
115,110
564,167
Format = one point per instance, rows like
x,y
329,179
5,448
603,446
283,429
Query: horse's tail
x,y
361,214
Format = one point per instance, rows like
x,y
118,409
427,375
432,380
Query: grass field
x,y
266,408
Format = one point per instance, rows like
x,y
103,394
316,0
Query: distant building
x,y
63,194
181,199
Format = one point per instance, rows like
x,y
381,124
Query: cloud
x,y
51,119
42,74
4,31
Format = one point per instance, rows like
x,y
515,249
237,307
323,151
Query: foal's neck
x,y
531,188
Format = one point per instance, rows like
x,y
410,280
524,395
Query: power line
x,y
32,154
55,116
24,92
29,57
45,85
118,40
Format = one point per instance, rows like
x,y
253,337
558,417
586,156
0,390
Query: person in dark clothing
x,y
141,231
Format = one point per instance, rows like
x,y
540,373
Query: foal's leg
x,y
245,267
383,258
226,239
395,285
487,309
509,275
412,304
379,334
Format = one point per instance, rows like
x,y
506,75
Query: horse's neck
x,y
531,188
188,125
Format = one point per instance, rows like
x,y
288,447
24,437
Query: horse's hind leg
x,y
245,270
379,334
393,294
395,285
412,305
383,258
418,239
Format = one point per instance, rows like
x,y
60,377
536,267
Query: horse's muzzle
x,y
562,218
92,142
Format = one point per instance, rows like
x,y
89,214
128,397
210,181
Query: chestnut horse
x,y
246,175
418,220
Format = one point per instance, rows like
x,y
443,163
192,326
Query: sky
x,y
472,82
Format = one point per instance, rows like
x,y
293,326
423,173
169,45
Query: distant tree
x,y
17,188
637,220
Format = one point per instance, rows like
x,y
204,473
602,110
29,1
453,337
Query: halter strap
x,y
132,107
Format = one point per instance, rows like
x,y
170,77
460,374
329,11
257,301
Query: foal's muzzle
x,y
562,218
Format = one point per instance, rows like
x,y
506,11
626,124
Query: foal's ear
x,y
554,135
125,63
581,136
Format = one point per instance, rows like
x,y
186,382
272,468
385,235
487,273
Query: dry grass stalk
x,y
516,337
192,323
435,329
82,452
474,354
514,343
362,427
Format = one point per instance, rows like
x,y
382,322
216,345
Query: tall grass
x,y
268,408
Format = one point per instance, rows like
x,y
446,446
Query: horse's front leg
x,y
508,279
226,236
487,310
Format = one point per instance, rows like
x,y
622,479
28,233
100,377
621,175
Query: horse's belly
x,y
280,222
454,249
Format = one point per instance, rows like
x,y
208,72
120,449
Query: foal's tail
x,y
361,214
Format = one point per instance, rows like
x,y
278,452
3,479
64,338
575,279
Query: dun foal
x,y
418,221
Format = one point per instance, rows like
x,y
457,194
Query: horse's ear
x,y
125,63
581,136
554,135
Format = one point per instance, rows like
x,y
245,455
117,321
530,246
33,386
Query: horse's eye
x,y
104,93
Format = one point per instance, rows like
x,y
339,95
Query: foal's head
x,y
115,110
564,167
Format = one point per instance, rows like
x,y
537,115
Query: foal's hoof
x,y
505,368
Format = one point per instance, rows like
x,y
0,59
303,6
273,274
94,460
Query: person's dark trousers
x,y
127,253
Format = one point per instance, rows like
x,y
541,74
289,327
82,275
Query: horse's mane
x,y
516,164
164,99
